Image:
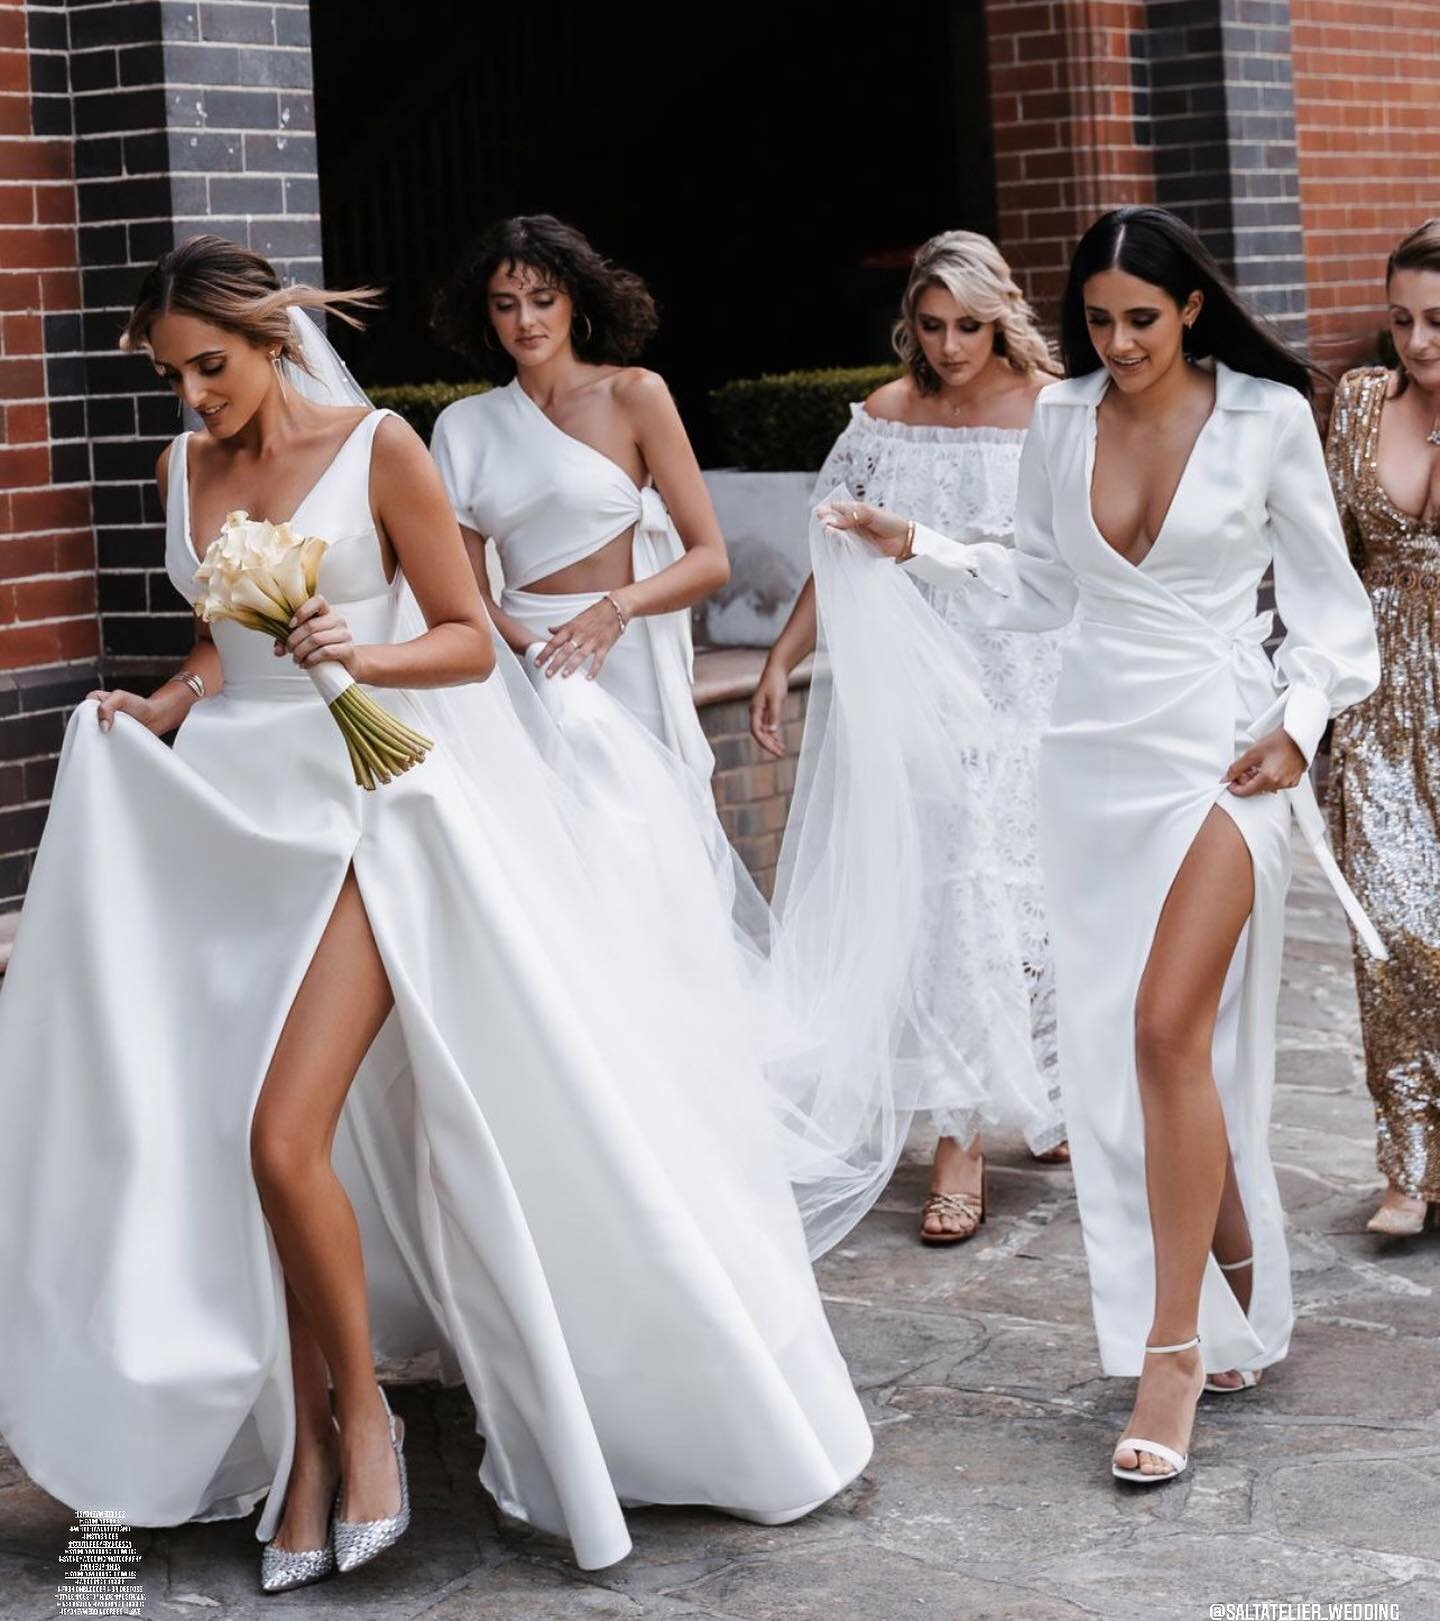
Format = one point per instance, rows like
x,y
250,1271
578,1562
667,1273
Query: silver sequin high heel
x,y
282,1569
357,1542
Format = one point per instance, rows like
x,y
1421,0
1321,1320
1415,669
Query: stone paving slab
x,y
989,1494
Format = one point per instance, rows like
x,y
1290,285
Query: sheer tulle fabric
x,y
896,950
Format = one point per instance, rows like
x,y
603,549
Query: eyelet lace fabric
x,y
962,481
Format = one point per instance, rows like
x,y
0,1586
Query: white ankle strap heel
x,y
1248,1376
1138,1444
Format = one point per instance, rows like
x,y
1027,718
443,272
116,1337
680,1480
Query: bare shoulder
x,y
398,453
636,388
892,401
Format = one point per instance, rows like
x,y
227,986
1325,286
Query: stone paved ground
x,y
988,1495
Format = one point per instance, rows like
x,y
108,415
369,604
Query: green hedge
x,y
421,403
788,422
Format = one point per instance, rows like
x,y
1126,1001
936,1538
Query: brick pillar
x,y
1222,113
1367,86
188,117
48,631
1186,103
1068,101
124,128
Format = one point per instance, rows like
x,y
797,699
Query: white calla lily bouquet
x,y
259,574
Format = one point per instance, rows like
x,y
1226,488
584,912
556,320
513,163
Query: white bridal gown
x,y
863,1008
1163,683
580,1196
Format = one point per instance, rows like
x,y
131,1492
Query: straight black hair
x,y
1155,246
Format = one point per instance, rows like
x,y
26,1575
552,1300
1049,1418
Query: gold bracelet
x,y
620,613
192,679
907,551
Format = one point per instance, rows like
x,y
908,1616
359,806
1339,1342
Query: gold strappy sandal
x,y
968,1207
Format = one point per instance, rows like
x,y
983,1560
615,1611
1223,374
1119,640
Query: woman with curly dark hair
x,y
580,470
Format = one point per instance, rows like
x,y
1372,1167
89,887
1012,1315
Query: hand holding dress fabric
x,y
1275,762
885,531
153,713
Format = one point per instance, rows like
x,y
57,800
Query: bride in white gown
x,y
579,470
217,937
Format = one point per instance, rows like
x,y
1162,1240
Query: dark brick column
x,y
189,116
1222,118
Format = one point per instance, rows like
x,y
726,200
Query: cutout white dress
x,y
1163,682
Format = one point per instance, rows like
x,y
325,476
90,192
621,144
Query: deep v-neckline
x,y
570,438
1093,456
1409,520
325,472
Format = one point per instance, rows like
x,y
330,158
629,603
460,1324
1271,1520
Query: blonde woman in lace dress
x,y
943,442
1384,455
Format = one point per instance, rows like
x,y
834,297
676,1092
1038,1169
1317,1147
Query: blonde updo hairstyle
x,y
233,288
971,269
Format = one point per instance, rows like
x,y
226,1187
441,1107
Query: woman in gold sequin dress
x,y
1384,455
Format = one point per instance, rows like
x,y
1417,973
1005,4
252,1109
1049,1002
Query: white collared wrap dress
x,y
559,1148
1164,681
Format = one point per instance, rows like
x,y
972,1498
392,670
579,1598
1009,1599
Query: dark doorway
x,y
766,167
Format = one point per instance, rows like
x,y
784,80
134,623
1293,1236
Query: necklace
x,y
1433,437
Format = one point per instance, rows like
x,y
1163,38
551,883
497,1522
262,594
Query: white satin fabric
x,y
559,1147
1164,680
548,500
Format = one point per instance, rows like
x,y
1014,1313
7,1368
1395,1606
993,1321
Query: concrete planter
x,y
765,518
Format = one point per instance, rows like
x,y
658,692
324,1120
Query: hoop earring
x,y
589,329
489,333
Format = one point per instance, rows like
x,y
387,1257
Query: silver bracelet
x,y
195,682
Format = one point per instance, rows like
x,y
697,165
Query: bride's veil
x,y
830,993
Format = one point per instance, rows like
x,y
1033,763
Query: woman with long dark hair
x,y
1384,454
1177,462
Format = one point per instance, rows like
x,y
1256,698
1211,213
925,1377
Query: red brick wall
x,y
49,633
1367,112
1063,87
47,562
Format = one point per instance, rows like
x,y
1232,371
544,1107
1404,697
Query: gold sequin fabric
x,y
1385,794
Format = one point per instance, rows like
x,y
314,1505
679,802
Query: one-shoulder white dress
x,y
573,1196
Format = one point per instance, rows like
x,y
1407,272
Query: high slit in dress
x,y
1164,681
574,1196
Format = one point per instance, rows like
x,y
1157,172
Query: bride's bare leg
x,y
1186,1152
341,1004
315,1467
